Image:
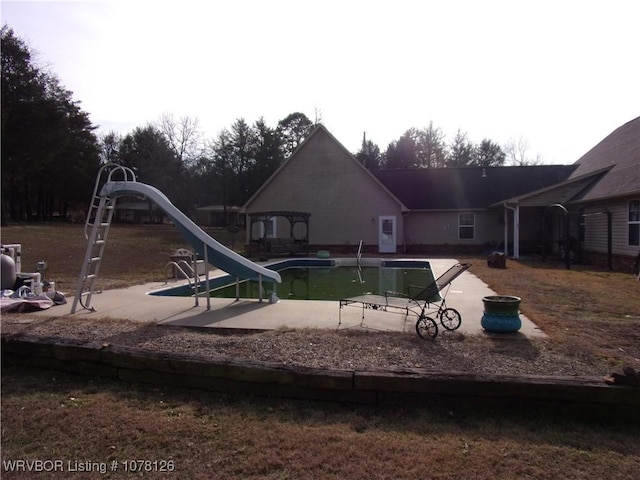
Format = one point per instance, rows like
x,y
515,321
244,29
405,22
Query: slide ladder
x,y
96,230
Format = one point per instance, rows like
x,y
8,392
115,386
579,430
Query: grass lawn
x,y
54,416
49,415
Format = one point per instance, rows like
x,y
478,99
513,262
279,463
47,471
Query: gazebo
x,y
267,237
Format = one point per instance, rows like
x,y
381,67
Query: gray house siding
x,y
596,231
443,228
619,155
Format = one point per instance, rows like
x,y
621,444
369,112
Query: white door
x,y
387,234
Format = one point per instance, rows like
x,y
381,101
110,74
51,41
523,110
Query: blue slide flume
x,y
217,254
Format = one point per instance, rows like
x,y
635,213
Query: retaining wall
x,y
376,387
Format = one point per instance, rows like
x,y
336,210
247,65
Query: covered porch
x,y
548,222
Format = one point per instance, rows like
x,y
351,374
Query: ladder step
x,y
94,259
90,276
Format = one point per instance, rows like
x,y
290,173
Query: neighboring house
x,y
219,216
131,211
448,210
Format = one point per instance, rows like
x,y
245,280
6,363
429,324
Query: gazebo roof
x,y
281,213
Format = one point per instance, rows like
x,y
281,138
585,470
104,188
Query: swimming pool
x,y
321,279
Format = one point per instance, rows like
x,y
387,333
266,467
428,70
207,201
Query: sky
x,y
558,75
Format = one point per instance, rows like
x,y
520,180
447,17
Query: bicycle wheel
x,y
450,318
426,327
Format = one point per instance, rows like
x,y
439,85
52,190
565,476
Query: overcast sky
x,y
561,74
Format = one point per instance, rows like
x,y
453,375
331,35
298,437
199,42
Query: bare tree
x,y
184,136
517,153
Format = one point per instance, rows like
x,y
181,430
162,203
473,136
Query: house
x,y
463,209
608,209
525,209
345,201
130,210
596,210
219,216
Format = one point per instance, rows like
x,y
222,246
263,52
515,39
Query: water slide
x,y
217,254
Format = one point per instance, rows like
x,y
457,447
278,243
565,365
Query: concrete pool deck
x,y
133,303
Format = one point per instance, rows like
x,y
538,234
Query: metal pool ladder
x,y
96,230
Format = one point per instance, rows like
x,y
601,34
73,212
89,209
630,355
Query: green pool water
x,y
333,283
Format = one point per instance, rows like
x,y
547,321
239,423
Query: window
x,y
466,226
634,223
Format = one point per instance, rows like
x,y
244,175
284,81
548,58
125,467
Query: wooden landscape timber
x,y
371,387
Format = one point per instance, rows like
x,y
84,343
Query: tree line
x,y
51,152
172,155
49,148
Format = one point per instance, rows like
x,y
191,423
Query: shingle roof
x,y
458,188
620,150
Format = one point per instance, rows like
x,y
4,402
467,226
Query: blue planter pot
x,y
501,314
501,323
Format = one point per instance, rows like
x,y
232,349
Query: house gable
x,y
321,177
620,152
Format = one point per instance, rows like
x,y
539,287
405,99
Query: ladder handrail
x,y
99,218
129,176
91,264
180,269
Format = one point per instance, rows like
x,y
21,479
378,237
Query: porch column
x,y
516,232
506,231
